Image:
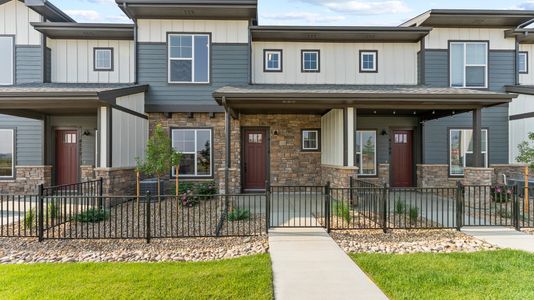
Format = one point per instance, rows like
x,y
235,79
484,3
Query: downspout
x,y
136,62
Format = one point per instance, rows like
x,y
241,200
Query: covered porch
x,y
84,131
371,132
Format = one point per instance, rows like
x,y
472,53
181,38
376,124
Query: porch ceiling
x,y
251,99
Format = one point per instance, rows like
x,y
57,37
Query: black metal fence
x,y
87,188
364,205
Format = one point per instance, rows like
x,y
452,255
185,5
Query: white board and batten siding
x,y
129,132
527,79
332,138
339,63
15,19
73,61
519,129
439,38
222,31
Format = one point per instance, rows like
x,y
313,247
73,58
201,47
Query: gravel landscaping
x,y
408,241
528,230
29,250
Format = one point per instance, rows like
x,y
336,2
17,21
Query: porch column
x,y
477,138
227,162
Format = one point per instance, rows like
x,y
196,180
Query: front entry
x,y
255,141
402,158
66,157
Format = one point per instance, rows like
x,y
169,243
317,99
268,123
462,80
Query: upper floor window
x,y
7,153
461,150
366,152
103,59
368,61
310,60
469,64
7,60
272,60
195,146
522,63
189,59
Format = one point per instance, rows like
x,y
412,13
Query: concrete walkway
x,y
502,237
308,264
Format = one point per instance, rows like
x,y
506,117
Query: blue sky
x,y
309,12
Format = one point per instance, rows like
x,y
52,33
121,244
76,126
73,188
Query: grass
x,y
241,278
503,274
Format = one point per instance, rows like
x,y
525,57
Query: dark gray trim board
x,y
157,108
85,31
521,116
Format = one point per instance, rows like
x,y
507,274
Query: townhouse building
x,y
425,103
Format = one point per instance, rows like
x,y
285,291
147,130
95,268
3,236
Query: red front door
x,y
66,157
255,158
402,158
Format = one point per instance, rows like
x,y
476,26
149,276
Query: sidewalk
x,y
502,237
308,264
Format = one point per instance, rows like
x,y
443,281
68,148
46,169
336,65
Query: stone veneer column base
x,y
87,173
433,176
512,171
233,181
482,179
338,176
117,181
27,179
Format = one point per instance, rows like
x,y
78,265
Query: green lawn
x,y
502,274
242,278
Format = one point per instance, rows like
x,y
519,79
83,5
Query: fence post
x,y
267,206
40,214
100,192
385,208
148,217
327,206
351,186
515,202
459,206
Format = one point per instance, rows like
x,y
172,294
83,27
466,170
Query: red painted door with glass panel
x,y
402,158
255,157
66,157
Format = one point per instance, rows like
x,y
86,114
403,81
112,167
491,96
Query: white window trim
x,y
359,152
465,64
374,54
267,52
96,67
316,140
195,153
466,151
192,59
316,69
525,54
13,139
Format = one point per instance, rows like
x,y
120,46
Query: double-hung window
x,y
189,58
310,61
461,150
272,60
366,152
196,148
522,63
7,153
368,61
7,49
469,64
103,59
310,139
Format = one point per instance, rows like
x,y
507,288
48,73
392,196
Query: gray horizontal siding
x,y
435,135
29,139
29,64
501,70
229,65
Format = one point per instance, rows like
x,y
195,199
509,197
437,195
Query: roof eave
x,y
48,10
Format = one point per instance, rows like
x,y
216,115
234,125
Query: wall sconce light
x,y
87,133
275,132
384,132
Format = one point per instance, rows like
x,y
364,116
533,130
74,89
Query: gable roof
x,y
471,18
56,30
190,9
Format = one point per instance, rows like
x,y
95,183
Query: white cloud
x,y
85,15
299,17
363,7
527,5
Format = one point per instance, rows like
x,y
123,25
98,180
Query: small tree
x,y
160,156
526,151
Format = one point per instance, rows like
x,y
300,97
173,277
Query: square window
x,y
368,61
522,63
103,59
310,60
189,58
195,146
468,64
272,60
310,139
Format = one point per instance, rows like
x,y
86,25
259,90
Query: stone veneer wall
x,y
117,181
27,180
288,164
87,173
338,176
434,176
382,176
515,171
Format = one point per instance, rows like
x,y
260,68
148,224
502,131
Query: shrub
x,y
400,207
53,209
238,214
501,194
413,213
191,193
29,219
341,210
92,215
